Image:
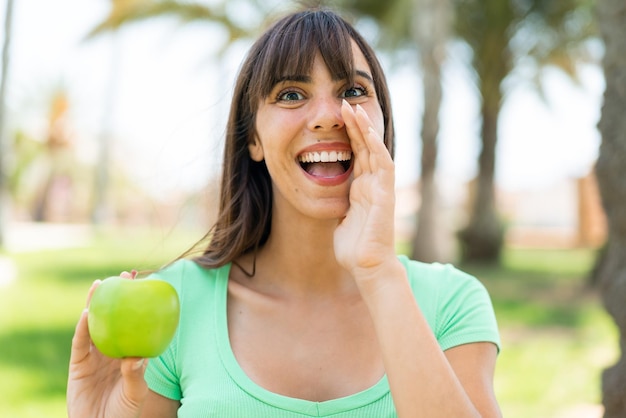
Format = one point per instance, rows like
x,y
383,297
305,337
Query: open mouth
x,y
326,163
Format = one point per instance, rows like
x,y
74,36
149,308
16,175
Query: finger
x,y
92,289
352,126
126,275
357,142
81,342
379,155
135,387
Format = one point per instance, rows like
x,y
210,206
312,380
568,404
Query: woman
x,y
298,305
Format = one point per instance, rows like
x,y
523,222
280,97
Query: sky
x,y
157,90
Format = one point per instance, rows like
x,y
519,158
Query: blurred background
x,y
112,116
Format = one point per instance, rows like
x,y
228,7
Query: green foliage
x,y
556,338
125,12
533,34
393,17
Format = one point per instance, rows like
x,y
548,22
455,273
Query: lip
x,y
327,146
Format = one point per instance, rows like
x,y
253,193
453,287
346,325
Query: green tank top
x,y
200,370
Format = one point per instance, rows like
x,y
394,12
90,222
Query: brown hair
x,y
288,47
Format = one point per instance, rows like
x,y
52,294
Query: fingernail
x,y
138,364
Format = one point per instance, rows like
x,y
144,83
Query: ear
x,y
256,150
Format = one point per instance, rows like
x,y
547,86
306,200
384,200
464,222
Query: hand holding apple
x,y
133,318
116,388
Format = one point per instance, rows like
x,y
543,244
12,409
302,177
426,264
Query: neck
x,y
299,259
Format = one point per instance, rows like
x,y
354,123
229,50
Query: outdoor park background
x,y
156,92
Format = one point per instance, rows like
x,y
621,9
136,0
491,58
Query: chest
x,y
313,352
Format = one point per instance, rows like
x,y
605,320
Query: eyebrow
x,y
365,75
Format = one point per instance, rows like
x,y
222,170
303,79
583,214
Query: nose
x,y
326,114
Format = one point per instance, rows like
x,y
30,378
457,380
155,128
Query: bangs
x,y
290,48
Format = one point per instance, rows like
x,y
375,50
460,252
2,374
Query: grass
x,y
556,338
39,309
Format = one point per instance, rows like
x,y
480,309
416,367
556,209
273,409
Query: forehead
x,y
360,62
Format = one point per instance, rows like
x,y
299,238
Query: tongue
x,y
325,169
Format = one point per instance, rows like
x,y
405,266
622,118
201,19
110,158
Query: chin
x,y
335,211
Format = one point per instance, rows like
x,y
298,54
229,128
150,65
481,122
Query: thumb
x,y
135,387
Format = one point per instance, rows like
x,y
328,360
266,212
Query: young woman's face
x,y
300,134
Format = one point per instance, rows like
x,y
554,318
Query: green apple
x,y
133,318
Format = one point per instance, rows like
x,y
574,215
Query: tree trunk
x,y
611,171
100,210
481,240
4,148
430,31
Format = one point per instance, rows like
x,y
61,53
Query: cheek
x,y
378,122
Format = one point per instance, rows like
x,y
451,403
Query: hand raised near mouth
x,y
364,240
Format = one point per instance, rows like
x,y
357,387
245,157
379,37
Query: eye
x,y
290,96
355,91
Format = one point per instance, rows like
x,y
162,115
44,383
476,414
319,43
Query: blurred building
x,y
564,215
567,214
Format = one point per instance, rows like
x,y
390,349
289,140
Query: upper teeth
x,y
325,156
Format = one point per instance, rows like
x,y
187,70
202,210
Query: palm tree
x,y
122,13
611,171
500,33
58,158
431,31
4,149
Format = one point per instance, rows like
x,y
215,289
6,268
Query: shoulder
x,y
184,269
188,277
439,277
456,304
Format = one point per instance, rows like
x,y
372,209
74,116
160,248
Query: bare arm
x,y
423,380
474,365
157,406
